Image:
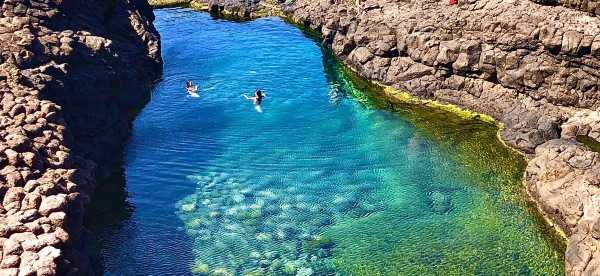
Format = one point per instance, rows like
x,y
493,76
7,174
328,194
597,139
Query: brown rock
x,y
13,197
31,185
361,55
16,110
53,203
11,247
12,157
31,200
10,261
28,260
33,245
14,179
30,160
18,142
9,272
57,218
29,216
49,239
61,234
21,237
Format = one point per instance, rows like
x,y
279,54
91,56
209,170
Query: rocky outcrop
x,y
71,73
502,58
169,3
240,10
564,178
589,6
532,66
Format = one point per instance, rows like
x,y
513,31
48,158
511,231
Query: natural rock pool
x,y
326,180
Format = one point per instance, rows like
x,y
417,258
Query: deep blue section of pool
x,y
318,183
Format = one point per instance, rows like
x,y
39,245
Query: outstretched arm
x,y
247,98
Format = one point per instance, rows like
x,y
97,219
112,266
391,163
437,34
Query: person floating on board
x,y
258,97
191,89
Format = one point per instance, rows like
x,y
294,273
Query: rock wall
x,y
590,6
532,66
240,10
72,74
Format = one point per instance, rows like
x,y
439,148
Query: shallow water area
x,y
326,180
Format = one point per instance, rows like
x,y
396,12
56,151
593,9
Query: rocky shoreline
x,y
72,74
531,65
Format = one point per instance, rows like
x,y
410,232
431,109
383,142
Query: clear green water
x,y
327,180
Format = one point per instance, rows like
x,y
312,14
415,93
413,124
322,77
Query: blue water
x,y
323,181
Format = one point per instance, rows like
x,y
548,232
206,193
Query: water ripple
x,y
316,184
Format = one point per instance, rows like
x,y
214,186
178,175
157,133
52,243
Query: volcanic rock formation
x,y
71,73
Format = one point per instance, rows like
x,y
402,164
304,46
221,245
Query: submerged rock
x,y
440,202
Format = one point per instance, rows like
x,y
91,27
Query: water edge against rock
x,y
327,180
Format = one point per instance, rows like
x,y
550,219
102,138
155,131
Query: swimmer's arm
x,y
247,98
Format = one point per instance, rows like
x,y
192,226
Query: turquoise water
x,y
326,180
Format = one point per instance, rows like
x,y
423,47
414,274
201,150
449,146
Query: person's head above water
x,y
258,93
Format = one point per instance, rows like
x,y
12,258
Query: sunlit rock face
x,y
64,67
517,61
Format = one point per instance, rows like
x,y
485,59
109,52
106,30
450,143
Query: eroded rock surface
x,y
564,178
70,74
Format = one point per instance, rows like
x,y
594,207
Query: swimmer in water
x,y
189,86
258,97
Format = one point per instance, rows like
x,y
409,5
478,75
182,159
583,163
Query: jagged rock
x,y
582,123
29,215
28,260
32,201
361,55
49,252
14,179
18,142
